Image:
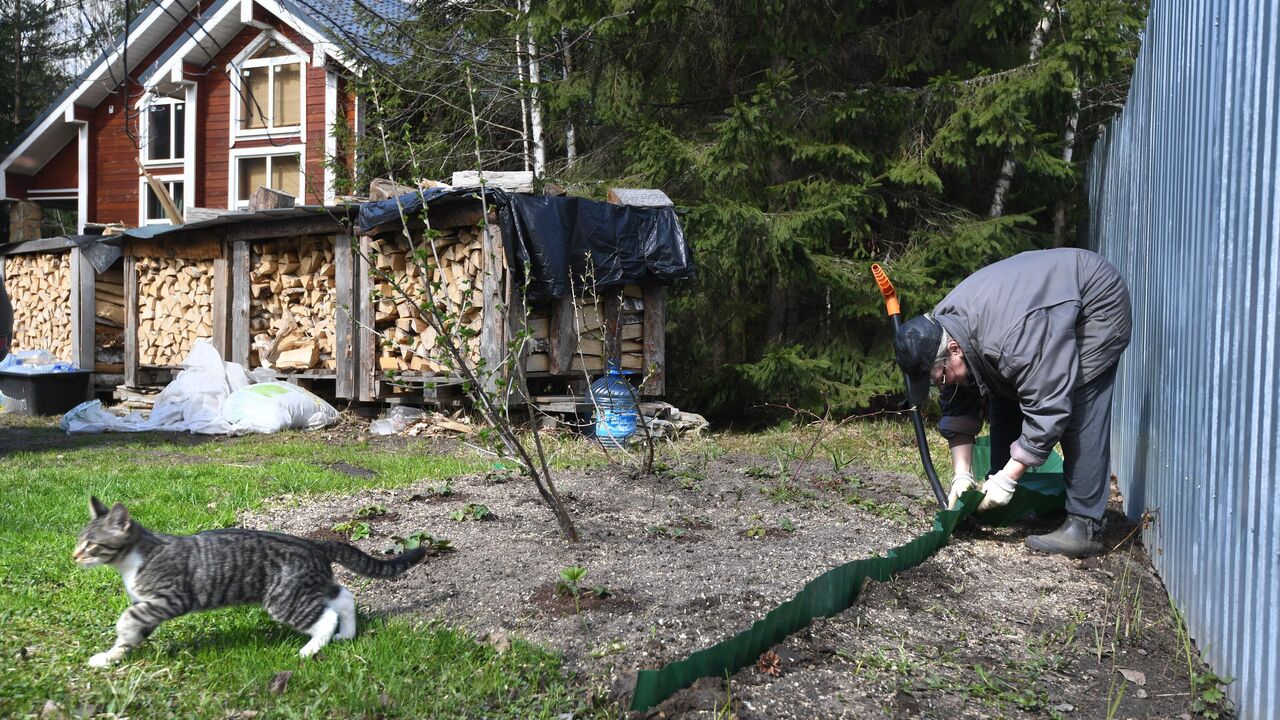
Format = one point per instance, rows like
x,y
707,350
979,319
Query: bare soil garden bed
x,y
696,552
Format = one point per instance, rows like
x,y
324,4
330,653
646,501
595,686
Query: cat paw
x,y
344,635
103,659
309,650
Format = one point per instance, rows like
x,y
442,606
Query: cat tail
x,y
356,560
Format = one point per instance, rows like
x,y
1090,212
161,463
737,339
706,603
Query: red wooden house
x,y
214,98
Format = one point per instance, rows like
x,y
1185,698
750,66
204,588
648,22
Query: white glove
x,y
961,483
999,490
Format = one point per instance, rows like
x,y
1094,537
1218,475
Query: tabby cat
x,y
171,575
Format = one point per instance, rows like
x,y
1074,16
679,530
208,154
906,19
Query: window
x,y
166,130
155,214
278,172
271,90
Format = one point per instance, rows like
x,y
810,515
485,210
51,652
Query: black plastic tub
x,y
48,393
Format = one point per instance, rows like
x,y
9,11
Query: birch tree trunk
x,y
535,108
1010,163
524,103
570,135
1068,149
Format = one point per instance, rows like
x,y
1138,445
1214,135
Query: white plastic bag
x,y
396,420
275,406
11,405
91,417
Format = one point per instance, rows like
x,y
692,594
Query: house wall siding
x,y
214,133
113,152
113,166
61,171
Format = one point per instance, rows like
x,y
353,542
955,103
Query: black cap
x,y
915,347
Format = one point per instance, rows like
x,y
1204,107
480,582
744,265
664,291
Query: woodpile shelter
x,y
316,296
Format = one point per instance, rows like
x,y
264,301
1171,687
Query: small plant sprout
x,y
416,539
571,579
370,511
571,584
839,458
471,511
353,529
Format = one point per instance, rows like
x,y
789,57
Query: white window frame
x,y
175,131
233,184
246,60
143,188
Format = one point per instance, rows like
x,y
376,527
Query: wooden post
x,y
366,347
493,335
515,325
238,299
130,319
655,340
171,210
344,317
563,336
611,299
83,310
220,309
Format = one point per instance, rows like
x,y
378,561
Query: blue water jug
x,y
615,408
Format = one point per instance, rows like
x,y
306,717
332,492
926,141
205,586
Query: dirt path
x,y
694,554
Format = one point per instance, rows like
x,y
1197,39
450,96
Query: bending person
x,y
1034,341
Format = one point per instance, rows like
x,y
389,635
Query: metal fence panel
x,y
1184,198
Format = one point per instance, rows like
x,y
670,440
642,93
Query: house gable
x,y
189,73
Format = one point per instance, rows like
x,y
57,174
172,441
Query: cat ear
x,y
96,508
119,516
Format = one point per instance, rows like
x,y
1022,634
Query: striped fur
x,y
171,575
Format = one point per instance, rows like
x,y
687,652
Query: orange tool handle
x,y
886,289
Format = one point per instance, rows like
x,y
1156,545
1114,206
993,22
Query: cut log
x,y
301,358
39,287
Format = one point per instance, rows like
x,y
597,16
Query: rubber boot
x,y
1075,538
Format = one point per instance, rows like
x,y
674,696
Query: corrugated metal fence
x,y
1184,198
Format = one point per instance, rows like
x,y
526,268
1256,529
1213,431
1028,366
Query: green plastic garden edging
x,y
1041,491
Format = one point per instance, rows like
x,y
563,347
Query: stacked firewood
x,y
109,321
454,272
589,328
39,288
293,304
175,300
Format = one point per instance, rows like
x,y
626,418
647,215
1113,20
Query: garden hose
x,y
894,311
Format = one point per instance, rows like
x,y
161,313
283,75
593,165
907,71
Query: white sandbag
x,y
274,406
193,401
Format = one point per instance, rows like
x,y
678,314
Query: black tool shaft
x,y
922,443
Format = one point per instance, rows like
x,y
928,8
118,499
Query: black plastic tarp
x,y
568,243
565,243
373,214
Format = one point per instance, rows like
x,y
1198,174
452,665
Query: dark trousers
x,y
1086,443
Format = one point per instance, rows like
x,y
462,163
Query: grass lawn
x,y
54,615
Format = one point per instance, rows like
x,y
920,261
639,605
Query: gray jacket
x,y
1033,328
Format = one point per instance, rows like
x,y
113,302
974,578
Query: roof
x,y
236,217
371,25
336,25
